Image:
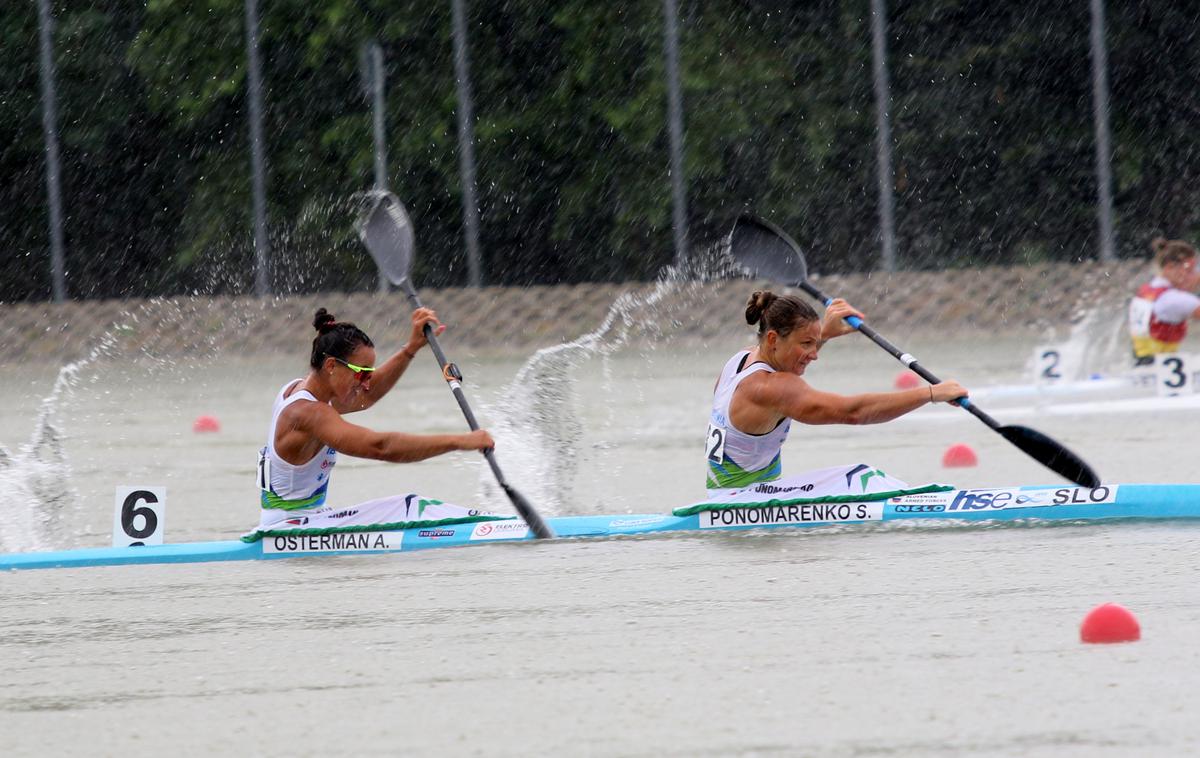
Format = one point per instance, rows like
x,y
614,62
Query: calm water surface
x,y
834,642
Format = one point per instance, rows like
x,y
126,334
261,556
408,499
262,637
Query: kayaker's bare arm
x,y
320,422
389,372
789,395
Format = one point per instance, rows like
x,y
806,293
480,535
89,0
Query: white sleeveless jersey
x,y
735,458
287,486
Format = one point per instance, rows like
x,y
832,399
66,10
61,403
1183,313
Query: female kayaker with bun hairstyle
x,y
1159,312
761,391
307,432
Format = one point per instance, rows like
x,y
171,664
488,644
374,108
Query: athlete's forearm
x,y
880,407
399,447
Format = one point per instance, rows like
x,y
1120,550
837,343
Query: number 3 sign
x,y
140,516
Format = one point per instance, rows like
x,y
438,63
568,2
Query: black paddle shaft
x,y
453,378
905,358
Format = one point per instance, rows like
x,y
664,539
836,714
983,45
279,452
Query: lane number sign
x,y
1050,365
139,516
1173,374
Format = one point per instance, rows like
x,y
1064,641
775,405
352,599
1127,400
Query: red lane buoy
x,y
206,424
906,380
1109,623
959,456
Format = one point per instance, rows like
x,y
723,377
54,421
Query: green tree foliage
x,y
991,113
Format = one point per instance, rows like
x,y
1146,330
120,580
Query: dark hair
x,y
336,339
1171,251
783,313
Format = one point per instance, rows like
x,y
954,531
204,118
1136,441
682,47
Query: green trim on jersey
x,y
271,501
728,474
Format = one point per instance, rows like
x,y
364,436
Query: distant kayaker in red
x,y
1159,312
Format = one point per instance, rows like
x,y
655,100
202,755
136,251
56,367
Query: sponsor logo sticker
x,y
333,543
500,530
924,498
1006,499
433,534
621,523
920,508
806,513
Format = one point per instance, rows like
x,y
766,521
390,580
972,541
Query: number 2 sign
x,y
139,517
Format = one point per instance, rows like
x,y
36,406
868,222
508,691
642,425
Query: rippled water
x,y
839,642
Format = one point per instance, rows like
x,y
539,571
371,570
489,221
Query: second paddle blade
x,y
765,251
388,234
1051,454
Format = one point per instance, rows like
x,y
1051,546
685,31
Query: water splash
x,y
537,420
36,479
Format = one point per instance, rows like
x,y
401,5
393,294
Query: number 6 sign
x,y
140,516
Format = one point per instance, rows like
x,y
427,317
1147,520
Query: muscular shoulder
x,y
304,413
769,389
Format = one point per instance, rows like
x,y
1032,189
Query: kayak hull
x,y
1018,504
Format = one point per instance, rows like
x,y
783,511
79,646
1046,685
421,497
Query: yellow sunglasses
x,y
362,372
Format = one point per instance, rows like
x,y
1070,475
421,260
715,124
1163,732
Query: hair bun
x,y
323,321
758,303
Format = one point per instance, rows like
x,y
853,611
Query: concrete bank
x,y
1018,298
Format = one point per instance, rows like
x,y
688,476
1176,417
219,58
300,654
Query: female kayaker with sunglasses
x,y
307,432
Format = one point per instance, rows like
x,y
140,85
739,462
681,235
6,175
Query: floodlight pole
x,y
373,71
883,136
466,142
675,122
1100,115
257,157
53,167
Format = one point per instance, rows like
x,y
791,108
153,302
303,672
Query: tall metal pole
x,y
53,169
883,135
377,105
466,143
1103,142
675,120
258,161
375,56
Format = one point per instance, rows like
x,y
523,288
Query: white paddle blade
x,y
764,251
388,234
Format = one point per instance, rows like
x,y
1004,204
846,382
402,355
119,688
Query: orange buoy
x,y
906,380
1109,623
959,456
206,424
